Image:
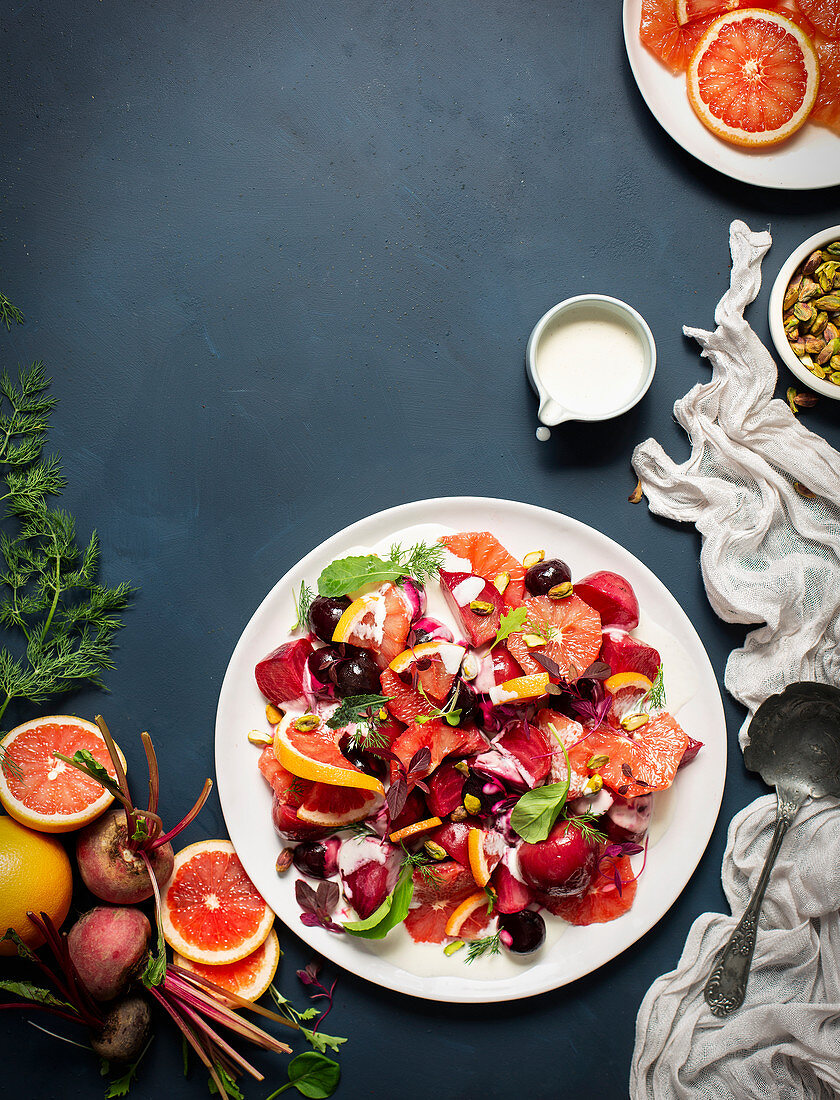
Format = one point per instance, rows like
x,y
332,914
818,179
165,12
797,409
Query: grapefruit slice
x,y
824,14
437,895
313,753
602,902
686,10
210,910
404,702
436,665
753,78
378,621
662,33
636,765
44,793
332,807
442,740
826,111
489,559
249,978
571,630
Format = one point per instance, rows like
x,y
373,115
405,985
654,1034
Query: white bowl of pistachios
x,y
805,312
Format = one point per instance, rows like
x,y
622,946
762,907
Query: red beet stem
x,y
184,822
154,773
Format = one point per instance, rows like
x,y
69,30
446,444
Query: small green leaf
x,y
86,762
534,814
35,993
319,1041
511,622
349,574
231,1088
314,1075
392,911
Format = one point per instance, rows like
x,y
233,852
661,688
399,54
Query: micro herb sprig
x,y
511,622
422,562
50,591
303,601
583,823
489,945
655,698
363,712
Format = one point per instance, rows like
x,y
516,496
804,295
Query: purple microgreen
x,y
309,974
318,905
551,667
627,770
598,670
420,762
396,797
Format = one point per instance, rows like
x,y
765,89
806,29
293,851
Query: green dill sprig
x,y
489,945
9,313
421,562
655,698
419,861
49,590
303,601
583,822
361,711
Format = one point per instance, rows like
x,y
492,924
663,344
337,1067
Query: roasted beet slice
x,y
531,747
445,790
280,675
691,750
512,894
624,653
453,837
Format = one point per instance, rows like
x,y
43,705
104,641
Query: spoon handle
x,y
727,985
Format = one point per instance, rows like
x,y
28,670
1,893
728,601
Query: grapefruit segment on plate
x,y
437,894
45,793
824,15
307,747
435,665
661,32
404,701
570,631
826,110
603,901
249,978
687,10
442,740
210,910
489,559
753,77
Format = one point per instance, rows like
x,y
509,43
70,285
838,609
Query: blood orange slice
x,y
210,909
824,14
332,806
489,559
404,702
753,77
45,793
470,918
571,630
826,110
661,32
437,895
442,740
638,764
435,664
307,747
378,621
602,902
249,978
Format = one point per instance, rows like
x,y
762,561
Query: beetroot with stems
x,y
107,947
624,653
112,869
613,598
563,865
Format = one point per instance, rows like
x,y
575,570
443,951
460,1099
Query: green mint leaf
x,y
34,993
392,911
314,1075
23,951
512,622
349,574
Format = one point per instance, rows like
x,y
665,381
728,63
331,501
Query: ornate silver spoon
x,y
795,747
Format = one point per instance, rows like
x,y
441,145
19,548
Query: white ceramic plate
x,y
810,159
695,797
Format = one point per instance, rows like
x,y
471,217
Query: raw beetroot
x,y
111,867
107,946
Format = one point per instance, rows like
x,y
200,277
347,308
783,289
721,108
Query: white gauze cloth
x,y
770,556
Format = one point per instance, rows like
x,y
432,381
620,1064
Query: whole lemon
x,y
34,874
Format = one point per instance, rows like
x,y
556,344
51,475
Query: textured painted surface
x,y
281,260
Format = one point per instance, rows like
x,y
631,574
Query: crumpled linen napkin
x,y
770,556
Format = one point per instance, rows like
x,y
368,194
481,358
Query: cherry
x,y
542,577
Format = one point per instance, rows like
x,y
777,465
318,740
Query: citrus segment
x,y
661,32
571,633
437,894
415,829
249,978
435,664
521,687
602,902
824,14
404,702
456,925
627,680
45,793
442,740
35,875
489,559
314,754
485,851
686,10
826,111
753,77
210,910
378,621
332,807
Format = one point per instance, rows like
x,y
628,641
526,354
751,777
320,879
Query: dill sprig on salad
x,y
465,744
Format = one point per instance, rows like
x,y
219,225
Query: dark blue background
x,y
281,260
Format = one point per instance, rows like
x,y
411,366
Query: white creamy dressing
x,y
468,590
428,960
590,363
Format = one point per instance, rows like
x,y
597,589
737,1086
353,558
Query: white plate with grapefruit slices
x,y
683,820
808,159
